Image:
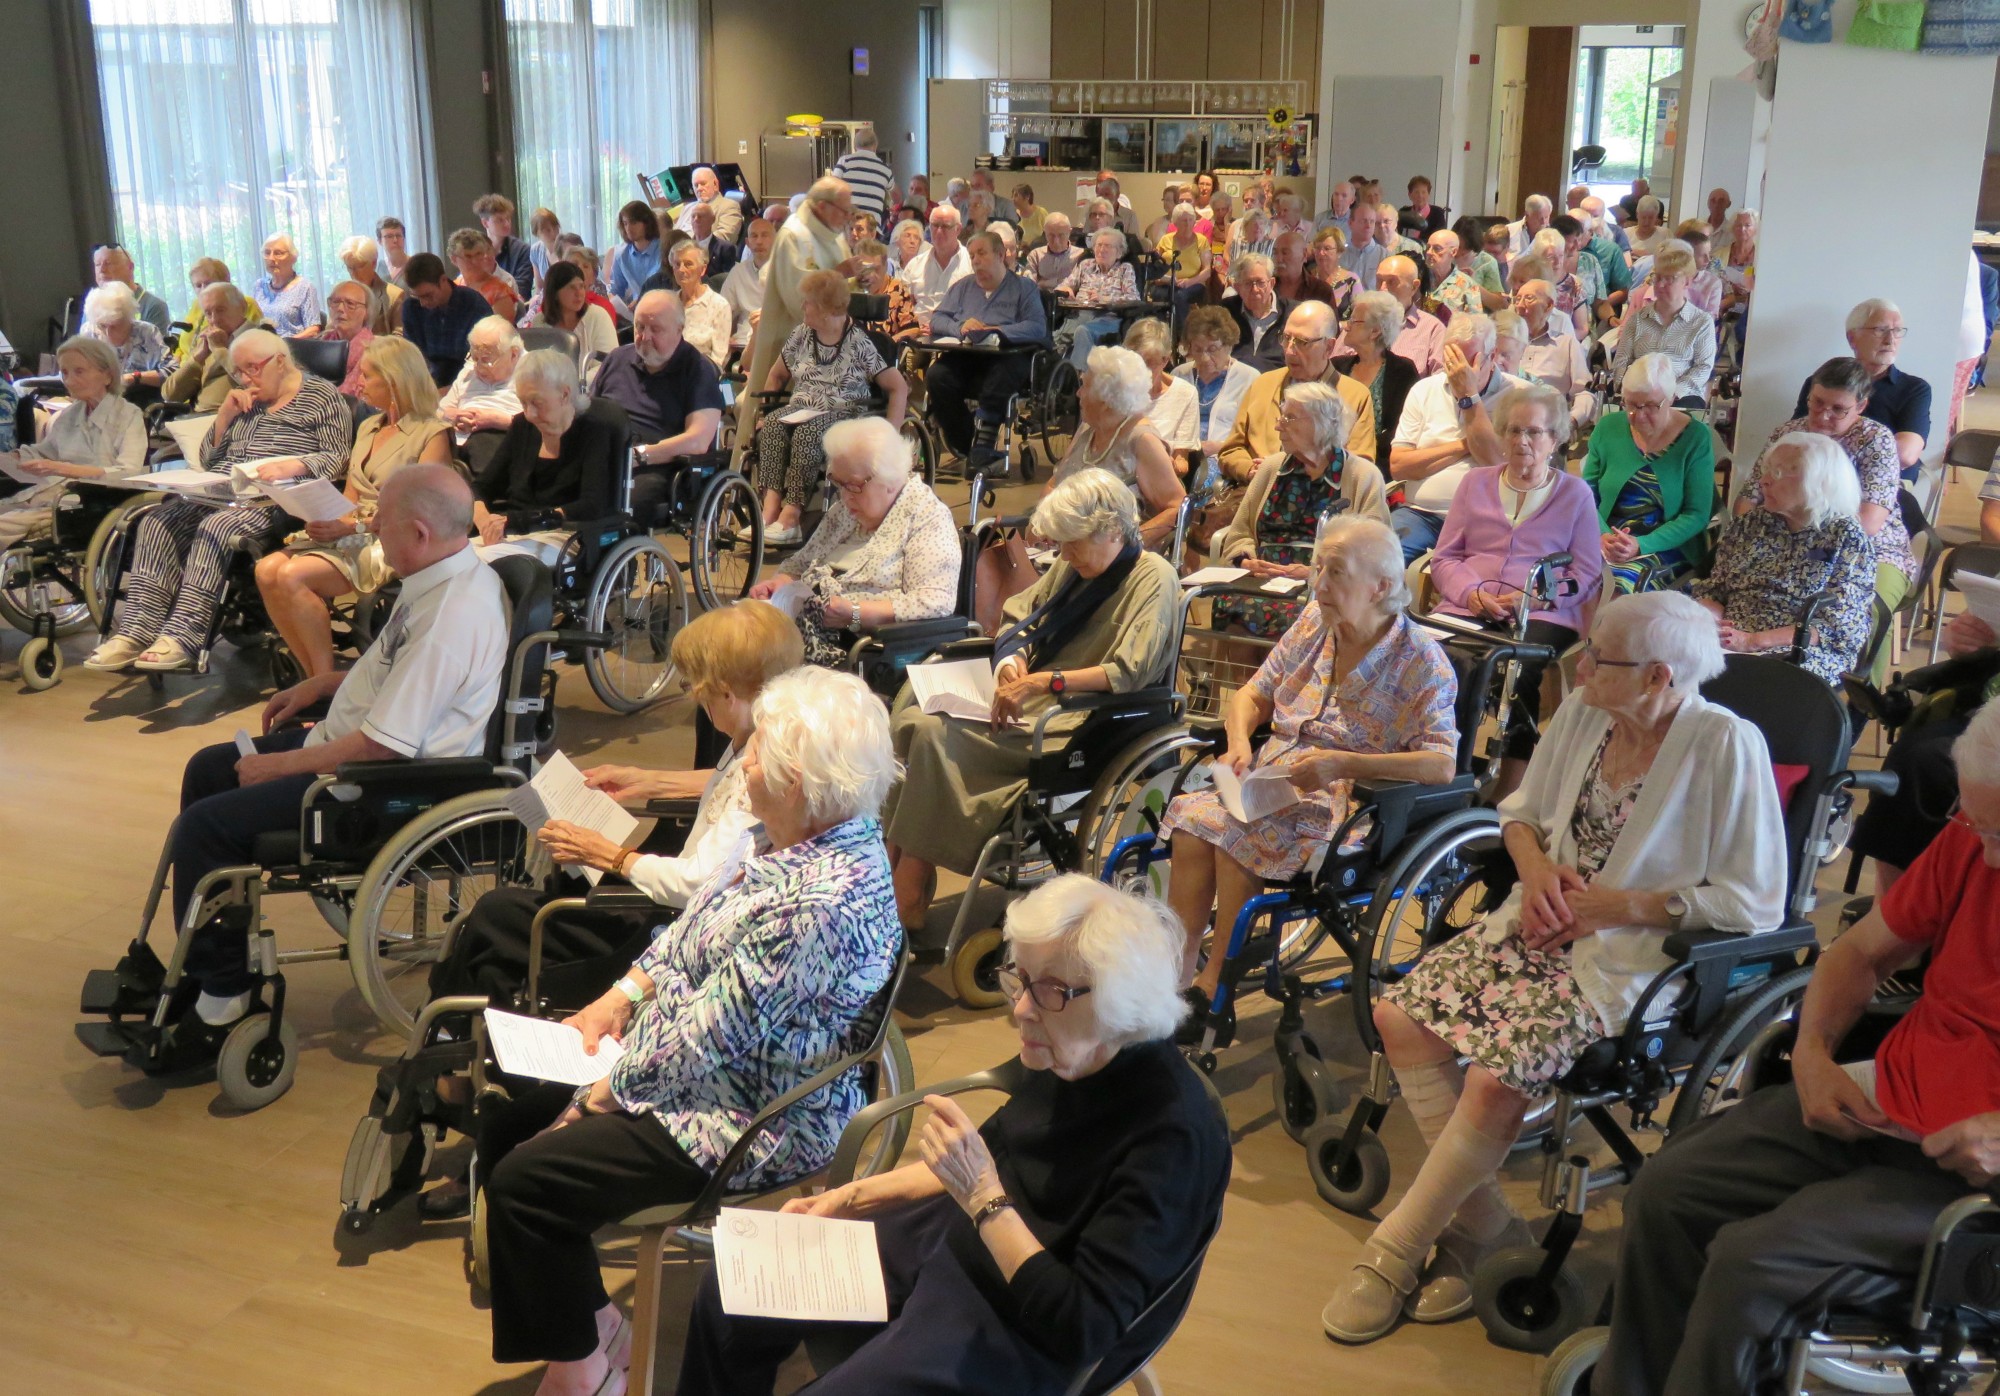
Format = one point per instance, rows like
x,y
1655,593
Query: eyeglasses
x,y
1527,433
851,487
1590,652
1300,341
1050,995
1989,837
1885,331
350,302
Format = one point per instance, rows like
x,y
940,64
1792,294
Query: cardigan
x,y
1236,380
1706,825
1397,376
1360,485
1478,544
911,560
1685,470
1254,435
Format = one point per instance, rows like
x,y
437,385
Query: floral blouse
x,y
1872,448
839,383
1600,815
1459,291
1092,283
911,560
1286,527
1764,574
144,350
760,984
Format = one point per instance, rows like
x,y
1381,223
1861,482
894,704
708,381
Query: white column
x,y
1714,52
1851,127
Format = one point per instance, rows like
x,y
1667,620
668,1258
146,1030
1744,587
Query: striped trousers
x,y
180,558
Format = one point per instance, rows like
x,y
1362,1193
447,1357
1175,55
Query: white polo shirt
x,y
429,683
1430,418
928,279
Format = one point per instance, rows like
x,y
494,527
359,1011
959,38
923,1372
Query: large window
x,y
228,121
604,91
1622,105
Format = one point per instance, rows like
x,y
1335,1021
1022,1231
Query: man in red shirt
x,y
1819,1195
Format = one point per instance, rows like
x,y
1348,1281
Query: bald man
x,y
426,688
1421,339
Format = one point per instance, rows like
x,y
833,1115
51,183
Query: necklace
x,y
823,354
1111,442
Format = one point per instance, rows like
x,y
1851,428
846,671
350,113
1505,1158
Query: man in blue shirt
x,y
438,315
495,213
670,393
1899,401
993,305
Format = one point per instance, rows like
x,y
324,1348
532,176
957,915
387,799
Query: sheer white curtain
x,y
228,121
604,90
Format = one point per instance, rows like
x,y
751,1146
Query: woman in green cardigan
x,y
1652,468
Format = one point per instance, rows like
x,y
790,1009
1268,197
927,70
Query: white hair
x,y
1869,309
260,338
907,223
1511,324
826,736
1249,262
1655,371
1126,947
283,240
954,187
1328,414
1382,313
1533,394
1368,543
111,304
1976,753
1117,236
977,200
1183,210
946,213
1120,380
1648,203
1056,220
880,447
1539,203
1551,247
1828,481
1097,205
1665,627
1092,503
1476,330
497,330
359,249
550,370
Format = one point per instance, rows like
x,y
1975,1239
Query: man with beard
x,y
670,392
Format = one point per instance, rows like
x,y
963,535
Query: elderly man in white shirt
x,y
1446,429
1535,215
743,288
938,267
482,397
426,687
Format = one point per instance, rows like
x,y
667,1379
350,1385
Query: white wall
x,y
1824,145
1410,38
1714,50
996,38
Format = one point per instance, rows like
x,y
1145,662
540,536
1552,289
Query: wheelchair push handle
x,y
1802,631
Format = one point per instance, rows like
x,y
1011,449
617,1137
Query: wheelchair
x,y
881,656
1046,409
718,513
47,583
1686,1038
391,853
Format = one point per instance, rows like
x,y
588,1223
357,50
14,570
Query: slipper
x,y
445,1202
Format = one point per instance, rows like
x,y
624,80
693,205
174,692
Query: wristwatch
x,y
1677,910
1057,683
1466,404
999,1202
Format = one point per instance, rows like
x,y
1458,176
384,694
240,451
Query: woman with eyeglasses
x,y
347,306
1652,468
1209,338
1646,810
1037,1240
886,551
293,425
1898,400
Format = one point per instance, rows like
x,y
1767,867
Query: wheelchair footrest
x,y
119,993
127,1039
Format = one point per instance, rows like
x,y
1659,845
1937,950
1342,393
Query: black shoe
x,y
189,1044
446,1202
1197,1023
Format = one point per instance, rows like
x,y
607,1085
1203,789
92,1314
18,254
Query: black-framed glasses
x,y
1050,995
1591,653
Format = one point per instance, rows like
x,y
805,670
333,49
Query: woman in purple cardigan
x,y
1502,521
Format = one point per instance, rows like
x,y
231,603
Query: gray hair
x,y
954,187
1254,261
826,736
1183,210
229,291
977,200
865,139
1117,236
1654,371
1976,753
1828,482
1150,335
826,189
1369,542
1532,394
1095,204
102,357
1648,204
1538,203
906,223
262,338
1329,415
879,445
497,330
108,305
283,240
1126,947
1666,627
1120,379
1380,312
1476,330
1868,310
1511,324
1056,220
358,249
550,370
1092,503
1550,246
947,213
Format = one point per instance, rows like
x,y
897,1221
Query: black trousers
x,y
1894,829
1746,1230
545,1196
651,487
583,951
943,1337
219,824
991,378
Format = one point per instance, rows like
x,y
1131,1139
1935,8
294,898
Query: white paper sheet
x,y
15,472
1265,791
946,339
791,598
244,746
788,1265
1214,574
1282,586
315,501
208,484
548,1051
1982,595
958,688
559,791
800,414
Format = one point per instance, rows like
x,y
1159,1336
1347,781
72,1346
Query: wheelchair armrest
x,y
1394,804
1005,1078
426,770
672,809
971,647
602,898
1137,698
1713,947
938,630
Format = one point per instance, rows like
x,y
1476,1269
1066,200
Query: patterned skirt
x,y
1517,1012
1276,847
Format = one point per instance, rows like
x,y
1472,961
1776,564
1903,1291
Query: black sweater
x,y
1120,1176
578,485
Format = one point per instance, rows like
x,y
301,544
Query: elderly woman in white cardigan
x,y
887,550
1645,810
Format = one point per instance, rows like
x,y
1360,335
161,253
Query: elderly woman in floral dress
x,y
1355,690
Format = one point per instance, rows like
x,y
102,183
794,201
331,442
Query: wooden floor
x,y
153,1241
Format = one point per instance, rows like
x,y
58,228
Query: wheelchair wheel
x,y
637,599
975,970
418,889
1740,1054
22,598
1520,1313
726,548
923,450
1874,1378
254,1069
103,559
1303,1093
41,664
478,1264
1132,798
1574,1362
1060,409
285,667
1431,892
1363,1182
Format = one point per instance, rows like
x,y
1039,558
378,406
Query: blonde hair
x,y
741,646
826,290
1674,258
406,371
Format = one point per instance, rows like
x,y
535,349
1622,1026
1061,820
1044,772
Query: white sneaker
x,y
781,535
165,654
116,653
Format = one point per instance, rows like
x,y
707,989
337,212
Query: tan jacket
x,y
1255,434
1360,485
202,384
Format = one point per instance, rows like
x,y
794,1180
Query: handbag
x,y
1962,26
1888,24
1807,22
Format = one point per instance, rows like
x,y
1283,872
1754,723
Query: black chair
x,y
1975,450
1587,161
322,358
1980,559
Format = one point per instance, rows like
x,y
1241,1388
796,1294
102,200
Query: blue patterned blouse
x,y
759,984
